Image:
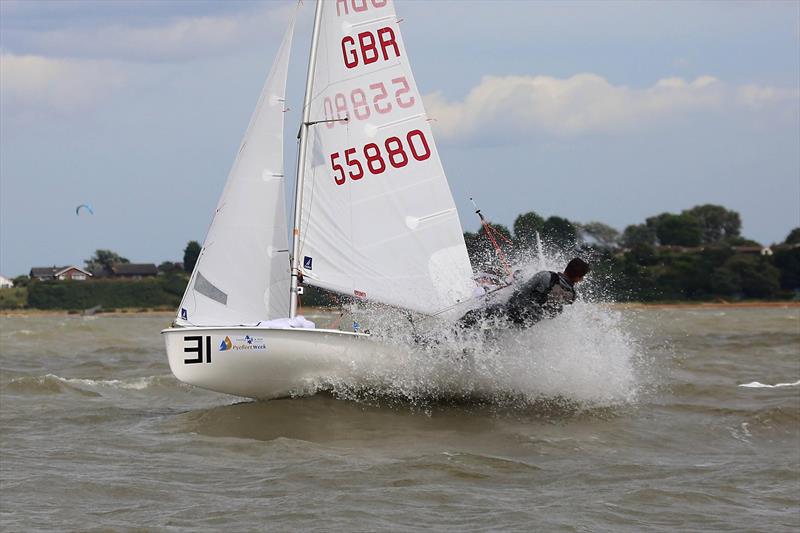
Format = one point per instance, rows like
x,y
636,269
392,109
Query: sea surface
x,y
604,419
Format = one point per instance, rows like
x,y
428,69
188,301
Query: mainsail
x,y
377,219
242,274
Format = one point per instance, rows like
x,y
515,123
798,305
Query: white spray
x,y
585,356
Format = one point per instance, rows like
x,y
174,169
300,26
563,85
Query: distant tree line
x,y
161,292
103,261
164,291
698,254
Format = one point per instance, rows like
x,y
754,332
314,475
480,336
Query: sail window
x,y
209,290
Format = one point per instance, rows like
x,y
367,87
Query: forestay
x,y
378,220
242,274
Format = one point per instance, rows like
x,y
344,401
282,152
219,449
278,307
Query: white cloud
x,y
61,85
177,38
583,103
71,68
756,96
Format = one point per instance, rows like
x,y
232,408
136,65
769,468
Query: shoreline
x,y
62,312
7,313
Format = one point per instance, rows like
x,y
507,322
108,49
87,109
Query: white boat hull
x,y
264,363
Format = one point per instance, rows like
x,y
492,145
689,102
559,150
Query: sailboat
x,y
374,218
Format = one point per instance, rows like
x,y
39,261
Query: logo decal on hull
x,y
225,345
247,342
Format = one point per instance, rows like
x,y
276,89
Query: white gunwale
x,y
257,328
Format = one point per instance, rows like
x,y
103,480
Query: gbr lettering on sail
x,y
376,93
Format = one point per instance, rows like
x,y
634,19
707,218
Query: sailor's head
x,y
576,269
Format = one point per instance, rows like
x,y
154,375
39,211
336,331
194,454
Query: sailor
x,y
542,296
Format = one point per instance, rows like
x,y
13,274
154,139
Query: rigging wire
x,y
492,234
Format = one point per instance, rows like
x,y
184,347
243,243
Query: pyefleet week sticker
x,y
246,342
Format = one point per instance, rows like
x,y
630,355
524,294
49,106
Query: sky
x,y
594,111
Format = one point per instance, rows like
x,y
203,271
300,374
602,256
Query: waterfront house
x,y
752,250
134,270
59,273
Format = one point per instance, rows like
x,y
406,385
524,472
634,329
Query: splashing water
x,y
585,356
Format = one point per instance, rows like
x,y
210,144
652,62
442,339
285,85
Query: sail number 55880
x,y
372,155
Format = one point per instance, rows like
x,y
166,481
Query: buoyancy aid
x,y
538,299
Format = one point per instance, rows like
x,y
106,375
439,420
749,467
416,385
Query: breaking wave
x,y
757,385
53,384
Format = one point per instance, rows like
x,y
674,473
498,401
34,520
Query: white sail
x,y
242,274
378,220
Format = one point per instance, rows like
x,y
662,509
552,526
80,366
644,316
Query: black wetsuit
x,y
542,296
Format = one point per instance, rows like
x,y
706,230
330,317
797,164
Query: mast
x,y
301,157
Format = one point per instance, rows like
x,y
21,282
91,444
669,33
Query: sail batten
x,y
373,21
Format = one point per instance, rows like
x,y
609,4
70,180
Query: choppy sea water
x,y
602,420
